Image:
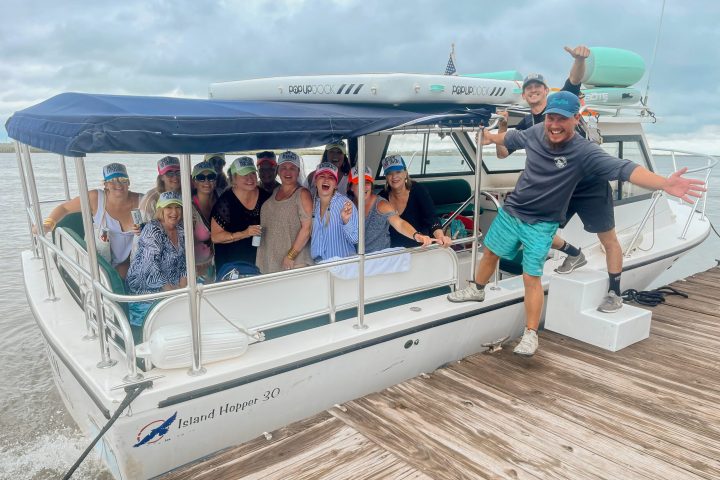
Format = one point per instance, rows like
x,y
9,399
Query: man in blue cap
x,y
592,199
557,159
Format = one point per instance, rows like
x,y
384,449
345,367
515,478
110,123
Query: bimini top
x,y
74,124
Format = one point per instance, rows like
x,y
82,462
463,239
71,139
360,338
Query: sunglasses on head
x,y
173,173
201,177
120,180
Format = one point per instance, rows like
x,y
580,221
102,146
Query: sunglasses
x,y
201,177
173,173
120,180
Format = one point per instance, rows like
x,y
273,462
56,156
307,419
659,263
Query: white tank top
x,y
120,242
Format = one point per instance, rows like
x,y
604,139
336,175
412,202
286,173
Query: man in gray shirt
x,y
557,159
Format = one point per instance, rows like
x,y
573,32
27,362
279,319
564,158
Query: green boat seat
x,y
448,195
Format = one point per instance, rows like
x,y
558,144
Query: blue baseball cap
x,y
563,103
393,163
114,170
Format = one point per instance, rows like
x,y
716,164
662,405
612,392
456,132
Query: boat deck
x,y
649,411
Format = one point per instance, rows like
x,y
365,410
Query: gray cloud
x,y
179,47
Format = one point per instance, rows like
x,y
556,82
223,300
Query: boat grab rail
x,y
466,204
711,163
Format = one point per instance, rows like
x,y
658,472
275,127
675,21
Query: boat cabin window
x,y
429,154
629,148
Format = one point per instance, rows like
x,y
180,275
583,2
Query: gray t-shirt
x,y
543,191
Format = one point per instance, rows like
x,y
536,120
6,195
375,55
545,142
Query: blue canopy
x,y
75,124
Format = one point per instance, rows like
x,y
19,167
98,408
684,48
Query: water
x,y
38,439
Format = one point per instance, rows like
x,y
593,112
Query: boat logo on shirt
x,y
560,162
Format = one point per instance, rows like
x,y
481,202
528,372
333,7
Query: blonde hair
x,y
408,182
160,211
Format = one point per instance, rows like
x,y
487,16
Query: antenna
x,y
652,63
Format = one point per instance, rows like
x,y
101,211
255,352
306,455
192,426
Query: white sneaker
x,y
471,293
528,344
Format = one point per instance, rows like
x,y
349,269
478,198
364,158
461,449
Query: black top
x,y
233,217
534,118
419,212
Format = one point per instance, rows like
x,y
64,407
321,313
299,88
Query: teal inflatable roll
x,y
613,67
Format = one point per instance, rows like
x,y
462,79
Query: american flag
x,y
450,69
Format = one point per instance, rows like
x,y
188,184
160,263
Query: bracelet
x,y
49,222
292,254
413,235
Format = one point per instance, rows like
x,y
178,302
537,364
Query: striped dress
x,y
330,236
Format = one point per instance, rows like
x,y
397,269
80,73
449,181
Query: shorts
x,y
594,206
507,234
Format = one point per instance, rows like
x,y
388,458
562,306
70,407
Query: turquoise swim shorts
x,y
507,233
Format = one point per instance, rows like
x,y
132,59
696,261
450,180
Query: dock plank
x,y
574,410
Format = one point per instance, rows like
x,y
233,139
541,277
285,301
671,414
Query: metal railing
x,y
711,162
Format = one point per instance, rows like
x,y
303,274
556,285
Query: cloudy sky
x,y
164,47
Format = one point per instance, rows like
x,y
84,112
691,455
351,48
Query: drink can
x,y
136,216
256,240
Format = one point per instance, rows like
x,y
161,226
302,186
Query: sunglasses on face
x,y
173,173
120,180
201,177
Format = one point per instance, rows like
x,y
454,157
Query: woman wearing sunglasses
x,y
168,180
111,206
204,178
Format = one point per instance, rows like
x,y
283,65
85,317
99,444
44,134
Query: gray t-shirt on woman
x,y
543,191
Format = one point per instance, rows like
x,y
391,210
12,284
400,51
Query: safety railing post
x,y
361,235
89,229
185,171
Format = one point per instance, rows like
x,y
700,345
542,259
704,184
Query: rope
x,y
650,298
132,392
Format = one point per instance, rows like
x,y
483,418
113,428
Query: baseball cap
x,y
328,168
563,103
202,167
289,157
168,198
167,164
339,145
242,166
534,77
114,170
393,163
355,178
266,157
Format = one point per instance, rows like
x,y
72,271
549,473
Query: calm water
x,y
38,439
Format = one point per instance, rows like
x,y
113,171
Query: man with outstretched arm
x,y
557,159
592,199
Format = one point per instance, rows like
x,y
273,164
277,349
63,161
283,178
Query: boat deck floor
x,y
573,411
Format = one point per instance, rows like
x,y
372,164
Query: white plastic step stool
x,y
572,311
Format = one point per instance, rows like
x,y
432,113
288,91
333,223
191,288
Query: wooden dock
x,y
650,411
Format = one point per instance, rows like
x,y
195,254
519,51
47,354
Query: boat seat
x,y
448,195
255,306
73,240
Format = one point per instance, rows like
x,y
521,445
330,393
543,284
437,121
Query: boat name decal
x,y
326,89
478,91
154,431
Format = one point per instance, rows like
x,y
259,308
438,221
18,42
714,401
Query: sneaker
x,y
611,303
528,344
471,293
571,263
